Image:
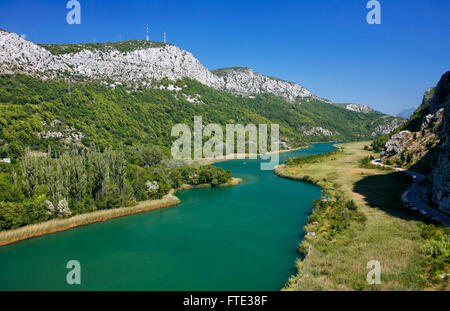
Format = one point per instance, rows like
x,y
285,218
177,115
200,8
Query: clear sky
x,y
324,45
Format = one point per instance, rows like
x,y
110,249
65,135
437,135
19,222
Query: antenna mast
x,y
147,32
165,41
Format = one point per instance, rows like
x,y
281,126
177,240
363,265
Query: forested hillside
x,y
38,114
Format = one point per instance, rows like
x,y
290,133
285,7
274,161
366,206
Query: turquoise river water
x,y
240,238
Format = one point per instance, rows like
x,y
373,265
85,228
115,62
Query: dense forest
x,y
42,187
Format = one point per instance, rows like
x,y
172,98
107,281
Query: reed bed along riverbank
x,y
56,225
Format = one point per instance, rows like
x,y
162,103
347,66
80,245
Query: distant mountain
x,y
406,113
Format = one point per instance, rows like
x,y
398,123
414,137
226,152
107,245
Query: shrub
x,y
304,247
351,205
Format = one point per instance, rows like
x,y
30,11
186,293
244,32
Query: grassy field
x,y
381,230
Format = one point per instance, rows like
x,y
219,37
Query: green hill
x,y
32,109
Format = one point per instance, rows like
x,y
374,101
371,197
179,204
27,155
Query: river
x,y
240,238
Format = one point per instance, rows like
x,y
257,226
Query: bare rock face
x,y
428,144
137,67
358,108
412,144
140,67
245,80
387,127
440,94
397,144
428,95
317,131
17,54
439,179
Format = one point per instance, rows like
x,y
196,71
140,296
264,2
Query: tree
x,y
31,173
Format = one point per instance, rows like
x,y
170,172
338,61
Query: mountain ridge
x,y
406,113
133,92
136,63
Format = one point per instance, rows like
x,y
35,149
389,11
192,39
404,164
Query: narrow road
x,y
412,196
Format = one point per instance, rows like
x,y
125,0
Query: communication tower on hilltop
x,y
147,32
165,41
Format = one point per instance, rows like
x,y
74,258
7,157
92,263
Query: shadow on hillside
x,y
385,192
425,164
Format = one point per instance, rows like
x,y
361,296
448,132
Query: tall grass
x,y
55,225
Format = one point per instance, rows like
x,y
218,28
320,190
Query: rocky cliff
x,y
421,144
358,108
410,145
245,80
137,64
19,55
439,179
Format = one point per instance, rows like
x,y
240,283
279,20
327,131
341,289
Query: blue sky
x,y
325,45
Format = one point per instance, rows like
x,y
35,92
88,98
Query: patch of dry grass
x,y
55,225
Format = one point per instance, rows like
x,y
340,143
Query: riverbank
x,y
348,236
57,225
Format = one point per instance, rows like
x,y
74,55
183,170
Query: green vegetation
x,y
378,144
122,46
32,109
91,147
60,224
338,214
223,71
42,187
317,158
367,163
361,218
437,250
